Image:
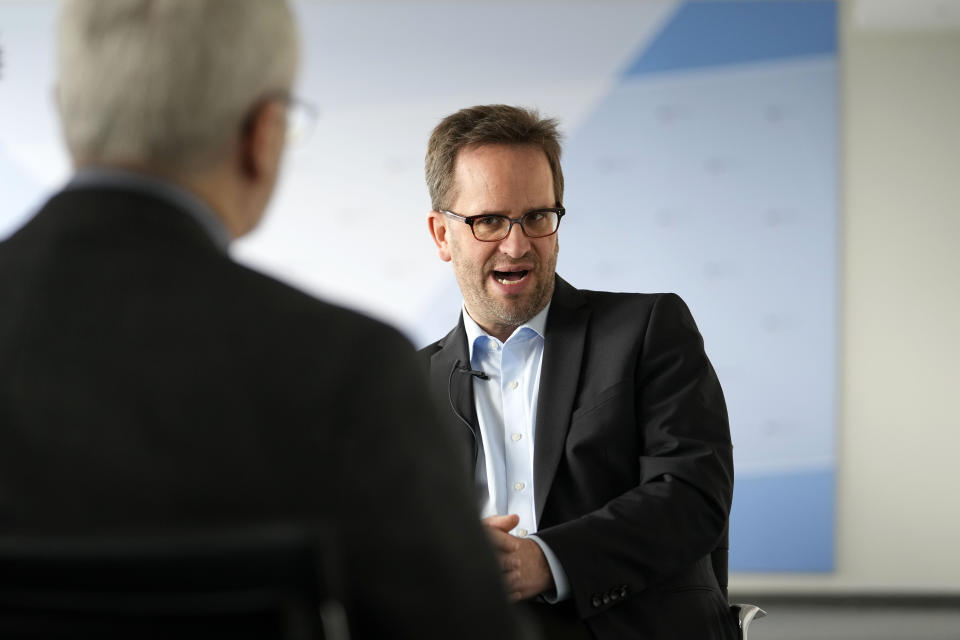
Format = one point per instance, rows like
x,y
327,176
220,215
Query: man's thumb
x,y
504,523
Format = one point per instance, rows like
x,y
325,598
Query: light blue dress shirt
x,y
507,413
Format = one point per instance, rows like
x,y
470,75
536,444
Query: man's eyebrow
x,y
487,212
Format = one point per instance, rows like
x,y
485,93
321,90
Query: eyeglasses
x,y
301,118
299,115
494,227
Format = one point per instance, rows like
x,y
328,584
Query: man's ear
x,y
437,224
262,142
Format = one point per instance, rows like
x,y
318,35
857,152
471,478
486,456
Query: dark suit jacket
x,y
149,382
633,470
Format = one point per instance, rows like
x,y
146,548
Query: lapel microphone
x,y
459,367
462,368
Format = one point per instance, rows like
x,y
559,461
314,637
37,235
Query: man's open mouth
x,y
510,277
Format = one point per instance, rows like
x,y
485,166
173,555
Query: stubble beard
x,y
511,311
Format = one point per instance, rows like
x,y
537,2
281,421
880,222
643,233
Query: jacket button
x,y
615,596
596,601
606,598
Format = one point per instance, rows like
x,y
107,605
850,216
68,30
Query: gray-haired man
x,y
149,381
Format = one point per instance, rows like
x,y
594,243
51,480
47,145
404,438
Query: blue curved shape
x,y
709,34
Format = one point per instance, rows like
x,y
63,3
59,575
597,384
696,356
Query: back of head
x,y
166,84
487,124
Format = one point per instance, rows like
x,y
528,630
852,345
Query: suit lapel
x,y
559,377
458,389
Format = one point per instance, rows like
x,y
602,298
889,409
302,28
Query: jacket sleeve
x,y
424,567
679,508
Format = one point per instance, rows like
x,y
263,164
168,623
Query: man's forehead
x,y
501,178
502,166
498,149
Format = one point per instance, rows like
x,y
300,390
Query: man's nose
x,y
516,244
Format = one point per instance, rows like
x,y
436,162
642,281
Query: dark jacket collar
x,y
559,380
142,183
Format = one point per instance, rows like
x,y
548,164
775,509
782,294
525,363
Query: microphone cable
x,y
459,367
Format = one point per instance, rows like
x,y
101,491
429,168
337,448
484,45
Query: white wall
x,y
899,439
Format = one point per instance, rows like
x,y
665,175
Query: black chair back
x,y
276,582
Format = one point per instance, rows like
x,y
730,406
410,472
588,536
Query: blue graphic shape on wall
x,y
721,185
783,522
709,34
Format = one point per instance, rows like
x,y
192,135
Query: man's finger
x,y
503,523
512,580
502,542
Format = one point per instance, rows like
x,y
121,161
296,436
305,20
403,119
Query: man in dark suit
x,y
150,383
594,422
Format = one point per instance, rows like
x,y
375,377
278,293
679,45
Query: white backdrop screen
x,y
701,158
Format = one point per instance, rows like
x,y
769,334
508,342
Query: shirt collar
x,y
537,324
110,177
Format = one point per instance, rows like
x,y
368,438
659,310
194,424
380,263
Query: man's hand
x,y
525,570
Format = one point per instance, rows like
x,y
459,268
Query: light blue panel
x,y
708,34
783,523
717,182
720,184
723,189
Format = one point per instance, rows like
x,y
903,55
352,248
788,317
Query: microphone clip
x,y
462,368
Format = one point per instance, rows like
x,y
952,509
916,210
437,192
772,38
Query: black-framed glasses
x,y
491,227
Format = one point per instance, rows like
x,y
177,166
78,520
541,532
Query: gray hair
x,y
168,83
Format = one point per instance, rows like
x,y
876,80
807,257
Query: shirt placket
x,y
490,411
516,436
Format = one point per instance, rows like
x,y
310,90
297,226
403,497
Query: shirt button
x,y
514,384
522,533
516,437
519,486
